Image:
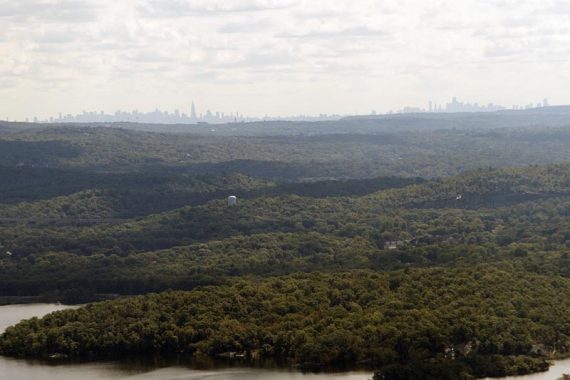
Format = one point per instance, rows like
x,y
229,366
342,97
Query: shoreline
x,y
22,300
49,299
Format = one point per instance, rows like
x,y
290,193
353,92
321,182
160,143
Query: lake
x,y
16,369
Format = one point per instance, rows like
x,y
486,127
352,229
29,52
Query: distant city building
x,y
177,117
457,106
193,112
216,117
411,110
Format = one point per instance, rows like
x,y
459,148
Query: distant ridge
x,y
553,110
550,110
551,117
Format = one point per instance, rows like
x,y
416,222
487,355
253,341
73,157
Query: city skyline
x,y
192,115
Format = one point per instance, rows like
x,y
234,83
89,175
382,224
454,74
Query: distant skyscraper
x,y
545,103
193,112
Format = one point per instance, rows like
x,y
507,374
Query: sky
x,y
278,57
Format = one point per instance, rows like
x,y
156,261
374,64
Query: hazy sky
x,y
278,57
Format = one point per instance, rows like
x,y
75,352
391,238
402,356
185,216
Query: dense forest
x,y
480,317
315,155
277,235
442,250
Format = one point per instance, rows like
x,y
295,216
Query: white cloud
x,y
180,8
70,11
356,31
277,56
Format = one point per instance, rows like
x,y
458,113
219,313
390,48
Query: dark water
x,y
15,369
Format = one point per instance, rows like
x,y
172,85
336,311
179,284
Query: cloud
x,y
264,59
147,57
56,37
356,31
392,51
71,11
250,26
178,8
559,8
503,50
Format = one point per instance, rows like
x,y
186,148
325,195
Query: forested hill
x,y
468,321
482,188
438,250
425,153
517,214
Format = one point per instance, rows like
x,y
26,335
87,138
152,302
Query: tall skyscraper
x,y
193,112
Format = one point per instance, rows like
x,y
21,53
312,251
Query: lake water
x,y
556,371
15,369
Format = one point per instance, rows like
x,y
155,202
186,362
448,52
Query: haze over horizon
x,y
278,57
